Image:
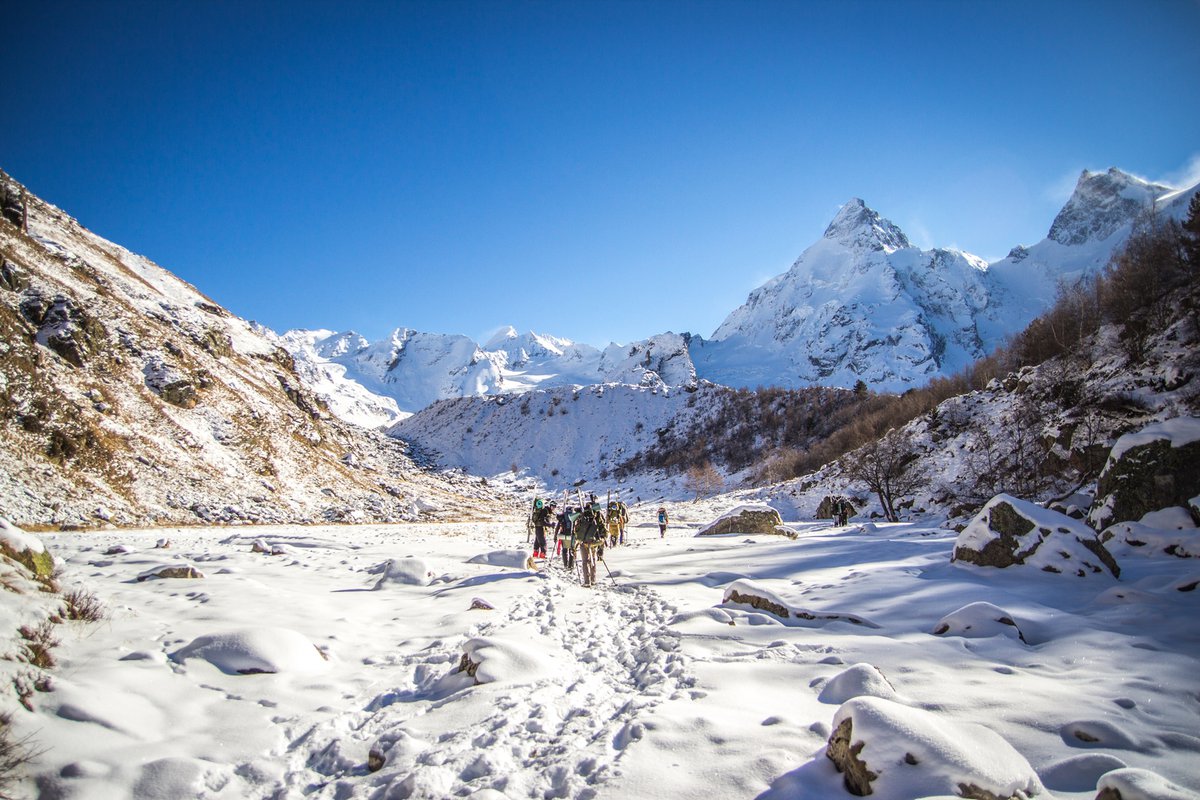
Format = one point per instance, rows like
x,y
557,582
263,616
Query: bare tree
x,y
703,480
889,467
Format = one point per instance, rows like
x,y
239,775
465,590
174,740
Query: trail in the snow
x,y
561,735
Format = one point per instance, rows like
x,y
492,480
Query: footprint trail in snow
x,y
612,660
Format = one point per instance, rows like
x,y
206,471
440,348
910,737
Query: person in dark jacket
x,y
543,517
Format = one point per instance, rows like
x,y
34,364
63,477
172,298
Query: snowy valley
x,y
1009,612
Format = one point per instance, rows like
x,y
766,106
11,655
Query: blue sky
x,y
600,171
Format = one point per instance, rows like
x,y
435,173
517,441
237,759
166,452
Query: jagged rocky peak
x,y
1102,203
857,225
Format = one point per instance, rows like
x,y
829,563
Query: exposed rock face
x,y
12,202
1102,203
844,752
1155,468
746,519
1009,533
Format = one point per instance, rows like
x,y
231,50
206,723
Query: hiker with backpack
x,y
589,536
662,522
564,537
613,523
543,516
622,518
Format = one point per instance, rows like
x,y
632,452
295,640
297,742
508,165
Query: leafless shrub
x,y
38,644
15,754
82,605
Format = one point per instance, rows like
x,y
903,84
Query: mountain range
x,y
860,304
129,397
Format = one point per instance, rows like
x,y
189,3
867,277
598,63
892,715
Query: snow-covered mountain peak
x,y
860,227
502,339
1103,203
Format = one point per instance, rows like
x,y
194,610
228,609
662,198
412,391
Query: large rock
x,y
26,549
886,748
1157,467
1009,533
747,519
1140,784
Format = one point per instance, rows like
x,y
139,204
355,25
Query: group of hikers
x,y
841,509
583,531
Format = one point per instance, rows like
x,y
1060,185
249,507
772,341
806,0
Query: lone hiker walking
x,y
662,522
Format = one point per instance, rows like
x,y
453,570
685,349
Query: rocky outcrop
x,y
12,202
747,519
1102,203
63,326
1155,468
1014,533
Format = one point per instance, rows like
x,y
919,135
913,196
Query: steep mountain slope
x,y
860,304
559,435
1096,220
127,396
864,304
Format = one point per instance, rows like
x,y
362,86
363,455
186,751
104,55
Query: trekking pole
x,y
529,523
609,571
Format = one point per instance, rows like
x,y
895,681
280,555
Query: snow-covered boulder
x,y
1157,467
750,518
26,549
255,651
404,571
170,571
893,752
858,680
978,620
1010,532
519,654
750,593
516,559
1171,531
1140,784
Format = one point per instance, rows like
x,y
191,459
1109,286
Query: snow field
x,y
655,688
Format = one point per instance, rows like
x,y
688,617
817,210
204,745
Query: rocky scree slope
x,y
127,397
